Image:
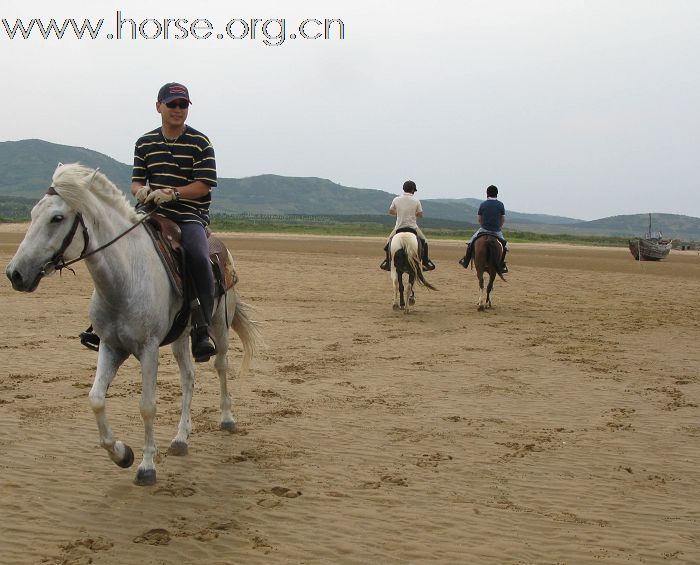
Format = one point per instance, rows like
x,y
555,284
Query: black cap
x,y
173,91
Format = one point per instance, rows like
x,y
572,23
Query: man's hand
x,y
160,196
142,193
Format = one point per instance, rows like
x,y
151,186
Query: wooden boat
x,y
652,247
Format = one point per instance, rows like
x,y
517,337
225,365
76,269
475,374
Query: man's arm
x,y
419,214
193,190
481,220
190,191
503,219
392,210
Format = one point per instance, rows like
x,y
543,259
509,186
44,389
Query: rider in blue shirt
x,y
492,216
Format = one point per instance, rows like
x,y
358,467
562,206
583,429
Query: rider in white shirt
x,y
407,209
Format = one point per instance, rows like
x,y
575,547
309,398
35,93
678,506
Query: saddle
x,y
407,230
166,236
483,233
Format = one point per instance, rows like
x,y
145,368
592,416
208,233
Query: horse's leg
x,y
146,472
489,288
108,362
402,303
480,276
220,331
395,280
181,350
409,290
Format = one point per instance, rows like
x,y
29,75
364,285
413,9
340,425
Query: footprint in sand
x,y
156,536
93,544
259,542
170,490
433,459
395,480
205,535
266,393
370,485
285,492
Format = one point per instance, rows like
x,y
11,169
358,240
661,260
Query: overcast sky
x,y
571,107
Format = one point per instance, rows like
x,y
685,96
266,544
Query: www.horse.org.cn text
x,y
271,32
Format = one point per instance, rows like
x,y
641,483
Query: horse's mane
x,y
73,182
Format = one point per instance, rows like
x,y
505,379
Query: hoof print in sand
x,y
175,491
157,536
205,535
433,459
395,480
89,544
285,492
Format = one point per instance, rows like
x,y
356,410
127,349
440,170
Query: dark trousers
x,y
194,242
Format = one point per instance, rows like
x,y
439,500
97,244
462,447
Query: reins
x,y
57,260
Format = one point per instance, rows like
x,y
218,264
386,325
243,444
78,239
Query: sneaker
x,y
504,268
90,339
428,265
385,266
463,262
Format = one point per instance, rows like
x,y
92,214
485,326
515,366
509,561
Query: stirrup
x,y
90,339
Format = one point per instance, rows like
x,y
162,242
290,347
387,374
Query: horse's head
x,y
53,237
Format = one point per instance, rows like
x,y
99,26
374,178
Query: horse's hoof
x,y
395,307
145,478
128,459
480,308
177,448
411,301
228,427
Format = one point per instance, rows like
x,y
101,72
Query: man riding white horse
x,y
492,216
175,169
407,209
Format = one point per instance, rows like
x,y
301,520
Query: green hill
x,y
26,167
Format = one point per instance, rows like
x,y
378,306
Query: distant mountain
x,y
671,225
26,168
519,217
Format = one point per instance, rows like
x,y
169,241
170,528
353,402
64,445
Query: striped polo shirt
x,y
162,164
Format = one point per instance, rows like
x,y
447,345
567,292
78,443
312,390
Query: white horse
x,y
405,258
133,304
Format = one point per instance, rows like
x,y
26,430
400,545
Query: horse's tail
x,y
414,262
248,332
495,251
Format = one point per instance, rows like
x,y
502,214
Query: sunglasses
x,y
182,104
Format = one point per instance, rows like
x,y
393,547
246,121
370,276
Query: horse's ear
x,y
92,177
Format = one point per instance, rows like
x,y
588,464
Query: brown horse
x,y
488,251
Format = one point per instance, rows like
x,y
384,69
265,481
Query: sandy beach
x,y
562,426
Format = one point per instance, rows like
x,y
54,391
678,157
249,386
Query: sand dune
x,y
560,427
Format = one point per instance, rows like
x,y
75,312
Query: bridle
x,y
57,261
